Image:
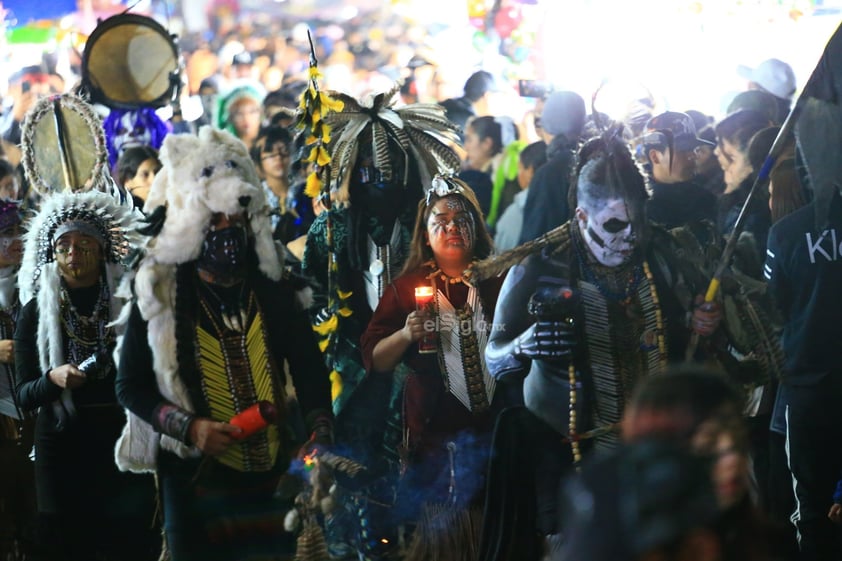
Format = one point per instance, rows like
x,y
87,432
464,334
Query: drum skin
x,y
129,62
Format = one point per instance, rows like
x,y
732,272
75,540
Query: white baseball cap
x,y
773,75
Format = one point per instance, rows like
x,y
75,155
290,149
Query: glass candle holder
x,y
423,300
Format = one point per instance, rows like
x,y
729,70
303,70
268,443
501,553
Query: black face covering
x,y
224,253
381,200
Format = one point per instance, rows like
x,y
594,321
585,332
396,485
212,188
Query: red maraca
x,y
255,418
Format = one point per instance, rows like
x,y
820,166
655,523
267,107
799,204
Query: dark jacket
x,y
547,205
804,273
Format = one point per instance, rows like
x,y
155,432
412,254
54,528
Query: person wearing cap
x,y
562,122
242,66
773,76
475,102
670,142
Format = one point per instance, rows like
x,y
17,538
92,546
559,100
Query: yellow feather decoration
x,y
313,187
335,385
328,326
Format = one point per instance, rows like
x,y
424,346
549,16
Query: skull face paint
x,y
608,233
451,229
78,256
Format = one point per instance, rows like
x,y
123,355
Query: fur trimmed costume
x,y
200,349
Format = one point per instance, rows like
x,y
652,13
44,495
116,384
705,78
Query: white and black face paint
x,y
451,224
608,232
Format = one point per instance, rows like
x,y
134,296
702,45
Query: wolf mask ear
x,y
177,147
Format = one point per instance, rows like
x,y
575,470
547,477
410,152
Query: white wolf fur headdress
x,y
201,175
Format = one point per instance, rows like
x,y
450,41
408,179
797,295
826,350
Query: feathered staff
x,y
314,106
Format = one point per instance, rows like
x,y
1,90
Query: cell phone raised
x,y
534,88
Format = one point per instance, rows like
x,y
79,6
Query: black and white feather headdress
x,y
420,130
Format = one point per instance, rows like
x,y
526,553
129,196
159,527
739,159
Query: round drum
x,y
63,146
130,61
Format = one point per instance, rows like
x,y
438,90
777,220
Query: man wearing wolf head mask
x,y
587,311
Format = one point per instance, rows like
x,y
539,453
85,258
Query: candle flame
x,y
422,291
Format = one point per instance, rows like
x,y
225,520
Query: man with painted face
x,y
586,312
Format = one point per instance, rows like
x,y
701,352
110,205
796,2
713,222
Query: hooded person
x,y
240,112
546,207
803,270
381,159
213,320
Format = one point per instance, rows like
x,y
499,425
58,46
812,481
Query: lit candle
x,y
255,418
423,299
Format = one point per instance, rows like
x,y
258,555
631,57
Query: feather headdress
x,y
115,224
421,131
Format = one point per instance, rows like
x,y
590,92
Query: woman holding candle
x,y
449,401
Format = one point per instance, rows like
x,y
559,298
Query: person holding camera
x,y
63,343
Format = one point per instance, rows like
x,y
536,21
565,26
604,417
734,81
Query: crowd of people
x,y
398,327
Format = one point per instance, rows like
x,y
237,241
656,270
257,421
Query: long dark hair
x,y
420,252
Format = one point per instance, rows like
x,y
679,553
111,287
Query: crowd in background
x,y
748,456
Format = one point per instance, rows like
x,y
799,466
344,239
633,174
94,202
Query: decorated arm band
x,y
173,421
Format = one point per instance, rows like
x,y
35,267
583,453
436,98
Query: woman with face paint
x,y
584,314
450,401
64,342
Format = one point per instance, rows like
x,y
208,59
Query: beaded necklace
x,y
86,335
237,371
574,437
